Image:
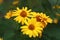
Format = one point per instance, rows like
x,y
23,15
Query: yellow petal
x,y
25,8
30,34
35,33
23,27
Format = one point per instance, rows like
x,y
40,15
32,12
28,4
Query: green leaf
x,y
8,35
52,31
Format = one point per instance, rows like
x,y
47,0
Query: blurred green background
x,y
10,30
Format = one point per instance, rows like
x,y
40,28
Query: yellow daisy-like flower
x,y
8,15
40,17
32,28
15,2
55,20
21,14
1,1
1,38
46,18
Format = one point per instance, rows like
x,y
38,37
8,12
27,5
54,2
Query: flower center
x,y
31,27
23,14
38,18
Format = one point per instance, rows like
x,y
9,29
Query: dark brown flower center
x,y
31,27
23,14
38,18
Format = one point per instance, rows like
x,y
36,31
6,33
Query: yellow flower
x,y
56,6
8,15
15,2
40,17
1,38
55,20
1,1
21,15
46,18
57,14
32,28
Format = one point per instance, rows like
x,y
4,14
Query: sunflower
x,y
8,15
32,28
21,15
40,17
